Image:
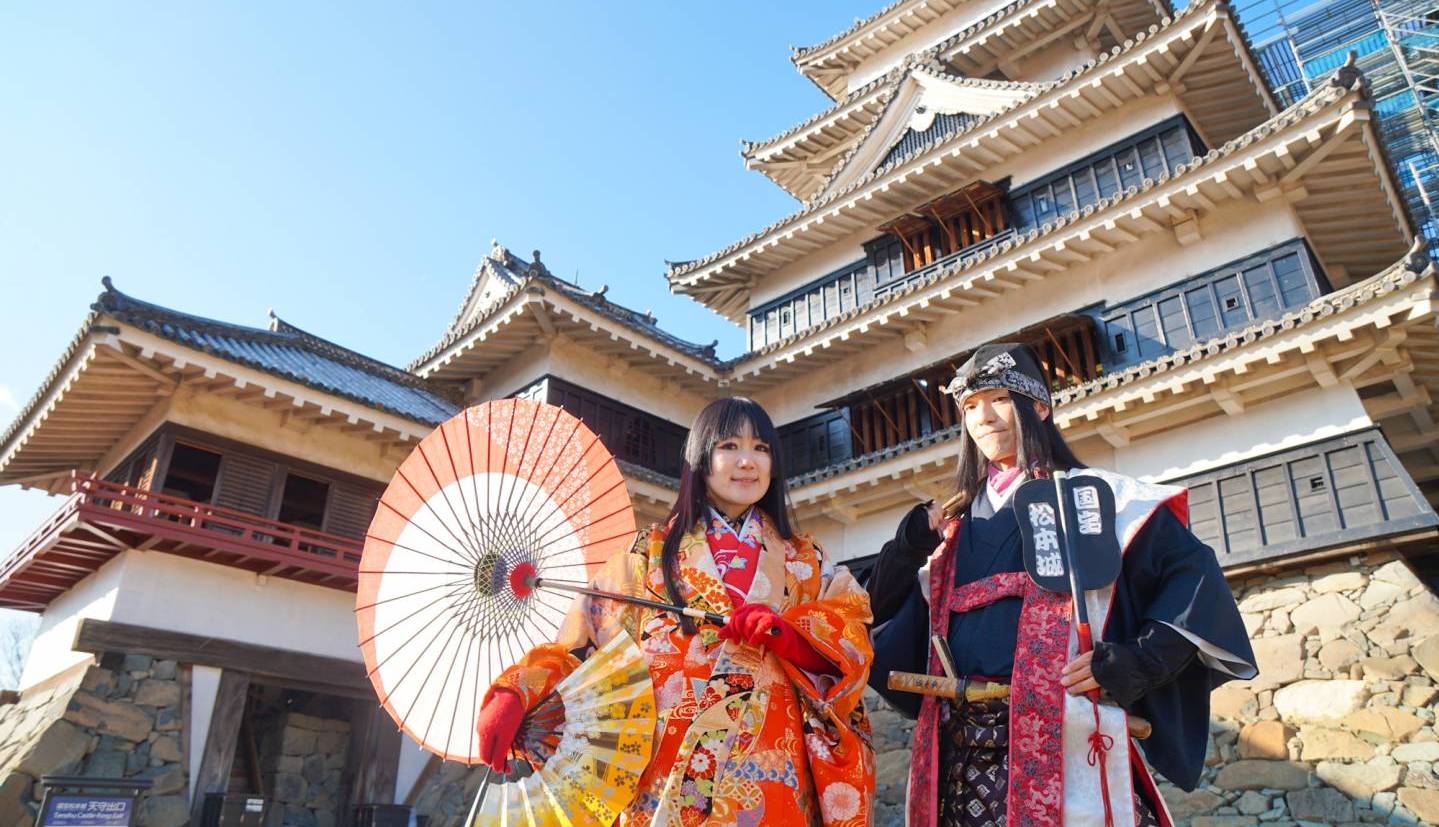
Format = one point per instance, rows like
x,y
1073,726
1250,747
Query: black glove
x,y
1128,670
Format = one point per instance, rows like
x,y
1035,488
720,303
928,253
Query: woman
x,y
759,720
1031,748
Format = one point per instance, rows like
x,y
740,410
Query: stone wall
x,y
1339,727
302,759
114,723
447,796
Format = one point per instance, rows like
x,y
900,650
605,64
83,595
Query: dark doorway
x,y
302,502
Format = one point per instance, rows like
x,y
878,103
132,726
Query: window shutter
x,y
350,511
245,484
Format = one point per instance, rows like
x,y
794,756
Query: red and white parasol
x,y
503,495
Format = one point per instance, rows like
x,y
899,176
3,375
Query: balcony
x,y
103,518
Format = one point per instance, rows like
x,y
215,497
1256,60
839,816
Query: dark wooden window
x,y
1147,154
218,471
1327,494
1262,286
303,501
192,473
816,442
629,433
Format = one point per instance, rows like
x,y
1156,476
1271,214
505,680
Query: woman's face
x,y
990,421
739,471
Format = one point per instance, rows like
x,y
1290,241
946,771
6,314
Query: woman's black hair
x,y
720,420
1041,449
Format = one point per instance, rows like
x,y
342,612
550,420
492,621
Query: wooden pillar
x,y
372,761
221,740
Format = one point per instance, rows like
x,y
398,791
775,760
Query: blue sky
x,y
348,164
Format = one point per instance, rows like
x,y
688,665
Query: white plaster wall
x,y
1135,116
93,597
1241,229
413,758
1053,61
955,20
165,591
1292,420
633,386
251,425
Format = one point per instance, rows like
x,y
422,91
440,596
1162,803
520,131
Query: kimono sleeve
x,y
836,624
1172,578
590,623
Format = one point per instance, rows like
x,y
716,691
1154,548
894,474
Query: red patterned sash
x,y
1036,701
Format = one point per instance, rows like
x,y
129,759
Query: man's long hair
x,y
1041,449
720,420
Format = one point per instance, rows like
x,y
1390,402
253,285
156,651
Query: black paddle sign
x,y
1082,538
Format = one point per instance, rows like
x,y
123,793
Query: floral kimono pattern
x,y
742,737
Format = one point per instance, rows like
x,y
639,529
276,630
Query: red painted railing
x,y
288,548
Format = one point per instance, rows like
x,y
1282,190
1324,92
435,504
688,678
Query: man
x,y
1167,632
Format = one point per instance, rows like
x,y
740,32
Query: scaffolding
x,y
1298,43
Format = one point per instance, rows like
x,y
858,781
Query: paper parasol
x,y
505,492
580,751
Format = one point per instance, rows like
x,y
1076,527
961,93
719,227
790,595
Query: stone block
x,y
1422,751
331,742
1419,696
157,693
1280,661
1313,701
1338,582
282,763
167,719
1267,600
1326,612
1252,803
1426,653
297,741
295,719
296,816
137,663
164,811
1388,669
1383,724
167,780
137,759
289,788
1320,804
892,768
335,761
105,764
1257,774
1337,655
1379,594
165,670
1422,803
1252,623
1320,743
14,790
313,769
1397,573
1360,780
1266,739
120,718
333,725
1223,821
166,748
1232,701
61,745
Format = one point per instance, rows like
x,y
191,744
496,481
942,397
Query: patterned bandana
x,y
735,551
1007,365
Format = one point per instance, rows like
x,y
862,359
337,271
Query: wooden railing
x,y
142,512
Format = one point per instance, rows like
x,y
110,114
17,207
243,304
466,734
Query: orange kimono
x,y
741,737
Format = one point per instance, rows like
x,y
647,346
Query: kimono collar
x,y
1001,484
744,527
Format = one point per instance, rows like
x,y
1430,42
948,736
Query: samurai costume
x,y
742,736
1167,632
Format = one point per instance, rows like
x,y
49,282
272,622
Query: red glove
x,y
500,719
759,625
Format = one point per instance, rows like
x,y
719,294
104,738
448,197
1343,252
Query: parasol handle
x,y
697,614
